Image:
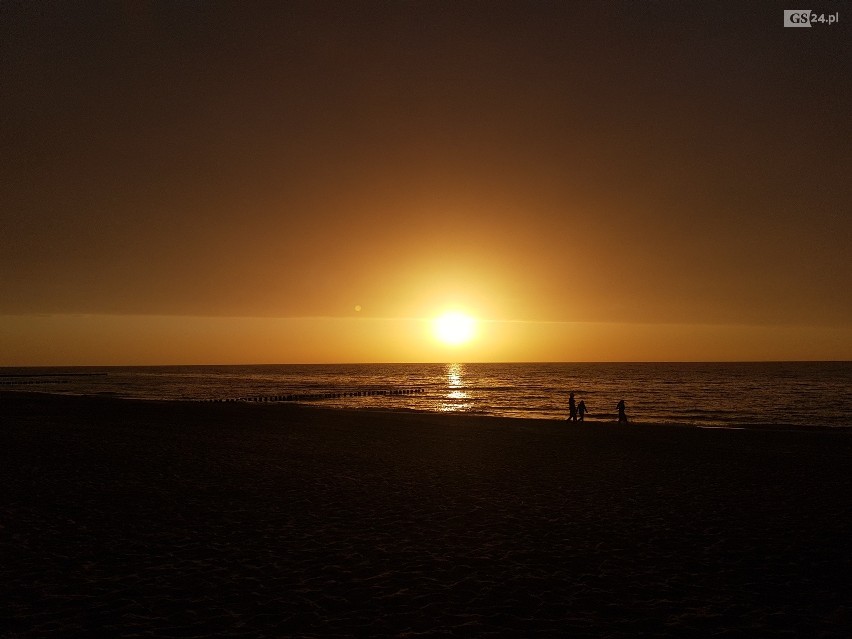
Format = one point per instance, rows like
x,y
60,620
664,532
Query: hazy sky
x,y
226,181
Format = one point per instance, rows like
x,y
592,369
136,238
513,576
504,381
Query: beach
x,y
190,519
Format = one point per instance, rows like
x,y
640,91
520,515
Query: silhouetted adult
x,y
572,409
581,410
622,417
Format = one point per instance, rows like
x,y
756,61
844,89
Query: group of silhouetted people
x,y
577,412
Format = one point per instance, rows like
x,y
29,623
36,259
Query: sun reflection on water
x,y
456,399
454,375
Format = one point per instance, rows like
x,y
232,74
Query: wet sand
x,y
140,519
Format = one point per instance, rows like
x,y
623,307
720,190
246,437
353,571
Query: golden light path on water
x,y
457,399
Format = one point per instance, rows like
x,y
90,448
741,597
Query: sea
x,y
713,395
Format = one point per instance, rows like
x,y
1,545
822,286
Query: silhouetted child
x,y
572,409
581,410
622,417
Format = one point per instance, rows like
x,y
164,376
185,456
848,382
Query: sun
x,y
454,328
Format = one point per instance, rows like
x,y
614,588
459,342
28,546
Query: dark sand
x,y
122,518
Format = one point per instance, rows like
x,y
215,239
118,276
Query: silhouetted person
x,y
572,409
581,410
622,417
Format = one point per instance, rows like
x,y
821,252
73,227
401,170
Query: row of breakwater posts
x,y
307,397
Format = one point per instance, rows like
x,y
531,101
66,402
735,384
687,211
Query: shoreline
x,y
592,423
176,519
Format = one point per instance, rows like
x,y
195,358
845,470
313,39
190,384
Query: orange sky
x,y
215,183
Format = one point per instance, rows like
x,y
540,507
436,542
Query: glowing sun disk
x,y
454,328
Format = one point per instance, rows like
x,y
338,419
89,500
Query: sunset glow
x,y
454,328
288,183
